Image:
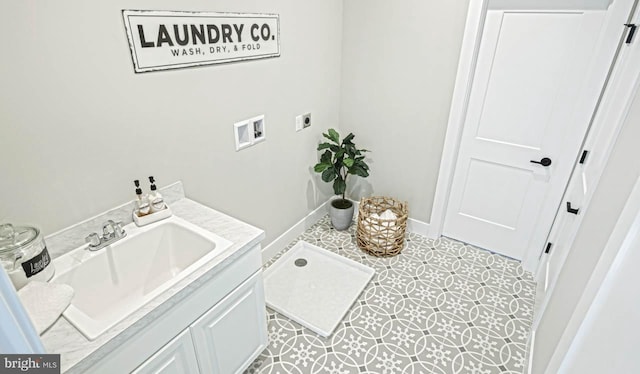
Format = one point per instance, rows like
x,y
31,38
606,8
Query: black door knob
x,y
544,162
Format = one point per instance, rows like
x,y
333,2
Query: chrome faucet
x,y
111,233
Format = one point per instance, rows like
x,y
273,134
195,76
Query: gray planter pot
x,y
341,213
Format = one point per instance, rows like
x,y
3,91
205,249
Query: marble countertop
x,y
77,352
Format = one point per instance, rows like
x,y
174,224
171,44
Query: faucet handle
x,y
108,229
93,239
118,230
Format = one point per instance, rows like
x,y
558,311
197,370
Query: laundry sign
x,y
162,40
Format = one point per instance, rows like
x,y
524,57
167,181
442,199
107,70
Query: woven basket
x,y
381,237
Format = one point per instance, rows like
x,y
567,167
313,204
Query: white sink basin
x,y
117,280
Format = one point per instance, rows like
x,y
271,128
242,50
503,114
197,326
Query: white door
x,y
611,114
565,228
539,74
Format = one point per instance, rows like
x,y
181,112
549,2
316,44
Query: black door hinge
x,y
632,30
584,156
546,250
570,209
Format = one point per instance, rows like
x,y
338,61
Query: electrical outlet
x,y
303,121
306,120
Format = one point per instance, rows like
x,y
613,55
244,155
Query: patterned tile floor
x,y
438,307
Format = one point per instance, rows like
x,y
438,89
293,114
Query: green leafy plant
x,y
339,160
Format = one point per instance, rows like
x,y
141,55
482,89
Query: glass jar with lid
x,y
24,255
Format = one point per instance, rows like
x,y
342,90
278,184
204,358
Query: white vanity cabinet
x,y
177,357
225,340
233,333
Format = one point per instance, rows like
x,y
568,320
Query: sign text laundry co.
x,y
162,40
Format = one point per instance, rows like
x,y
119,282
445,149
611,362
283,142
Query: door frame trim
x,y
461,92
465,75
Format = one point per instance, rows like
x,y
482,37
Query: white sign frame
x,y
166,40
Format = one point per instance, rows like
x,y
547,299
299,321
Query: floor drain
x,y
300,262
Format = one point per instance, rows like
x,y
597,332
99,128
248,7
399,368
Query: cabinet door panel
x,y
234,332
177,357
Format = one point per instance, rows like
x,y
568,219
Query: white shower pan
x,y
314,287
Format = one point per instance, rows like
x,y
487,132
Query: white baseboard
x,y
413,225
418,227
296,230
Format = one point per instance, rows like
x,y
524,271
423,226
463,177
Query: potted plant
x,y
339,160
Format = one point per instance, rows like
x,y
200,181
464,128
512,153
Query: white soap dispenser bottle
x,y
155,198
142,203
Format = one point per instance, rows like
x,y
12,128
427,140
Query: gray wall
x,y
399,65
607,203
77,125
